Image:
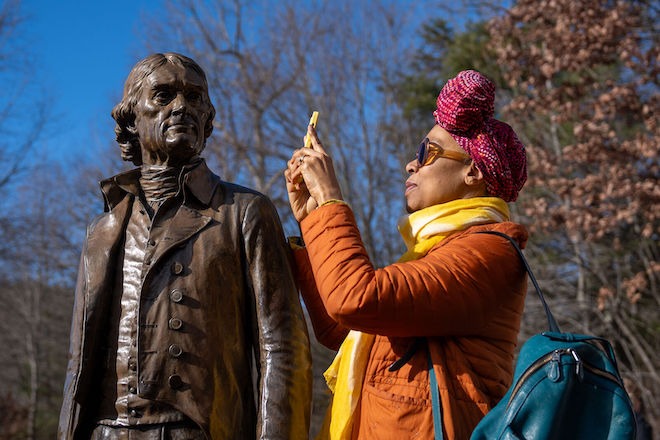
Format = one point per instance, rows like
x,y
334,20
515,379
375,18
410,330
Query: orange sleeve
x,y
327,330
454,290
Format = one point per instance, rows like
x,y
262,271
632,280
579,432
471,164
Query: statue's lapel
x,y
185,223
104,241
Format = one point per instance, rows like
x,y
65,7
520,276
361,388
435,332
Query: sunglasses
x,y
428,151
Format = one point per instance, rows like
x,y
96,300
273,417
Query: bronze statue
x,y
186,320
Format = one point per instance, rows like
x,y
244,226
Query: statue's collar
x,y
196,179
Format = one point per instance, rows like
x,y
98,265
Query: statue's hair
x,y
124,112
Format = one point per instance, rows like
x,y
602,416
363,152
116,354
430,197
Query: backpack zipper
x,y
555,356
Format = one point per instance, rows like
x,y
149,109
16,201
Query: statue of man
x,y
187,323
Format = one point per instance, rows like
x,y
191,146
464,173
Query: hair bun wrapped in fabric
x,y
465,108
466,102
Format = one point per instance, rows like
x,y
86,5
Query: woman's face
x,y
442,180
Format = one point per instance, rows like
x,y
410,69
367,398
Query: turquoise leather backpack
x,y
565,386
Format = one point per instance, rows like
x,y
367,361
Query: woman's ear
x,y
474,178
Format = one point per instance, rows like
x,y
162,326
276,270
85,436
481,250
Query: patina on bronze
x,y
185,302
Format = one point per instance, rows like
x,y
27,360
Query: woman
x,y
455,295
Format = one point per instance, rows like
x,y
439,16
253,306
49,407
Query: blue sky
x,y
84,51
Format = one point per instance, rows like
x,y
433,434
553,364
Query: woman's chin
x,y
410,206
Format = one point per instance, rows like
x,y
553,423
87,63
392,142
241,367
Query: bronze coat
x,y
225,250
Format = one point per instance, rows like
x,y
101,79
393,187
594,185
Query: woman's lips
x,y
409,187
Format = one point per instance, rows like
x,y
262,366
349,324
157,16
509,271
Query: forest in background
x,y
578,81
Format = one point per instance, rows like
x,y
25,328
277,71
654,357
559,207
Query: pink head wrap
x,y
466,105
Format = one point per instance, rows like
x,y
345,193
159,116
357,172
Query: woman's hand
x,y
310,178
299,199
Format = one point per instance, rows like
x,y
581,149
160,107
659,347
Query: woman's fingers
x,y
302,152
316,143
312,169
302,162
288,175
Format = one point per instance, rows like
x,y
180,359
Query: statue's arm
x,y
70,408
281,334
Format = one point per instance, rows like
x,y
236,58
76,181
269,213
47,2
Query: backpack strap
x,y
435,398
552,323
433,382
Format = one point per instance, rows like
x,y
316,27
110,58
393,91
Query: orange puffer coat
x,y
466,297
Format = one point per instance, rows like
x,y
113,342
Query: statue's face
x,y
170,115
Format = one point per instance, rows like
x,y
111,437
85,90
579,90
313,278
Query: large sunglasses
x,y
428,151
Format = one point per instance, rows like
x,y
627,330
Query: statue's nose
x,y
179,104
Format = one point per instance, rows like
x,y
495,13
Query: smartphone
x,y
312,122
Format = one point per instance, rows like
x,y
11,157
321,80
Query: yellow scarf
x,y
421,231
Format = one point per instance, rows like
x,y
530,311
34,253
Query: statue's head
x,y
165,112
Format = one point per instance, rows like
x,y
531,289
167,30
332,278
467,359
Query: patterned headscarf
x,y
466,105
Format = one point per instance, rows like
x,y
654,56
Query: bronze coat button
x,y
132,390
132,365
134,413
175,323
175,350
176,295
175,381
177,268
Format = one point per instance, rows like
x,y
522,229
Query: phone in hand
x,y
312,122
